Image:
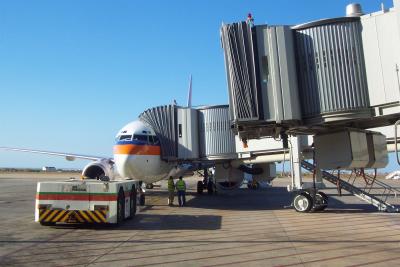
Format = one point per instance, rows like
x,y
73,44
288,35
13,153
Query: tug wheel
x,y
47,223
210,187
132,202
121,206
142,200
200,187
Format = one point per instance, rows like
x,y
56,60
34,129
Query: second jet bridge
x,y
192,134
310,78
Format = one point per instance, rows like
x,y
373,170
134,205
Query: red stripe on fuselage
x,y
132,149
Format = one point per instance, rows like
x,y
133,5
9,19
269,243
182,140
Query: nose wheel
x,y
141,194
149,186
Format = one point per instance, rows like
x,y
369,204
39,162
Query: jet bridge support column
x,y
306,195
297,155
295,164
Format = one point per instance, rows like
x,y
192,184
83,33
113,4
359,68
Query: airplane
x,y
136,155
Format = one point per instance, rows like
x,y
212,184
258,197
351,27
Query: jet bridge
x,y
332,78
192,134
310,78
286,83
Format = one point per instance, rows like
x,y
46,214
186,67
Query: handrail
x,y
364,194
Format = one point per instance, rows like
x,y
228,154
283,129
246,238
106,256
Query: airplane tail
x,y
189,100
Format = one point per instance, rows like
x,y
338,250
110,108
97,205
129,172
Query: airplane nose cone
x,y
121,164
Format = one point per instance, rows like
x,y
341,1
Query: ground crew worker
x,y
181,188
171,191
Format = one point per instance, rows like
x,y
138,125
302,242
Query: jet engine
x,y
227,178
99,169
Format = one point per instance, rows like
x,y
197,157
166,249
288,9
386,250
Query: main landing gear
x,y
201,186
310,200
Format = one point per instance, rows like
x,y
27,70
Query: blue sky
x,y
72,73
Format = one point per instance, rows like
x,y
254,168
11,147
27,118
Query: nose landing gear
x,y
141,194
207,183
149,186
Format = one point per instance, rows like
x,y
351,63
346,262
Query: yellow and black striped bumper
x,y
72,216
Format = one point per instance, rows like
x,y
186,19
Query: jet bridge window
x,y
125,137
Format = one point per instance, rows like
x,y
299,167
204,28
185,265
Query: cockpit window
x,y
140,137
125,137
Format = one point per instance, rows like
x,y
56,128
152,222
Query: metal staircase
x,y
374,192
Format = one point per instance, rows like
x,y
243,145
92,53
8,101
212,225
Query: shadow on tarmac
x,y
273,198
145,221
244,199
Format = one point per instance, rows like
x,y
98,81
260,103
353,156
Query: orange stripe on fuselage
x,y
130,149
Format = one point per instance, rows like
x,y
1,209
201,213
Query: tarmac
x,y
241,228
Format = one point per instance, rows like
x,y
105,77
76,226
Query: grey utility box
x,y
377,150
342,150
188,147
277,73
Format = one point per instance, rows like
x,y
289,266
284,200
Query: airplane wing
x,y
68,156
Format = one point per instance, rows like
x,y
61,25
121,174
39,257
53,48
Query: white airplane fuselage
x,y
137,154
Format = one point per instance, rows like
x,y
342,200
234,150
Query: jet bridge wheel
x,y
302,202
320,202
